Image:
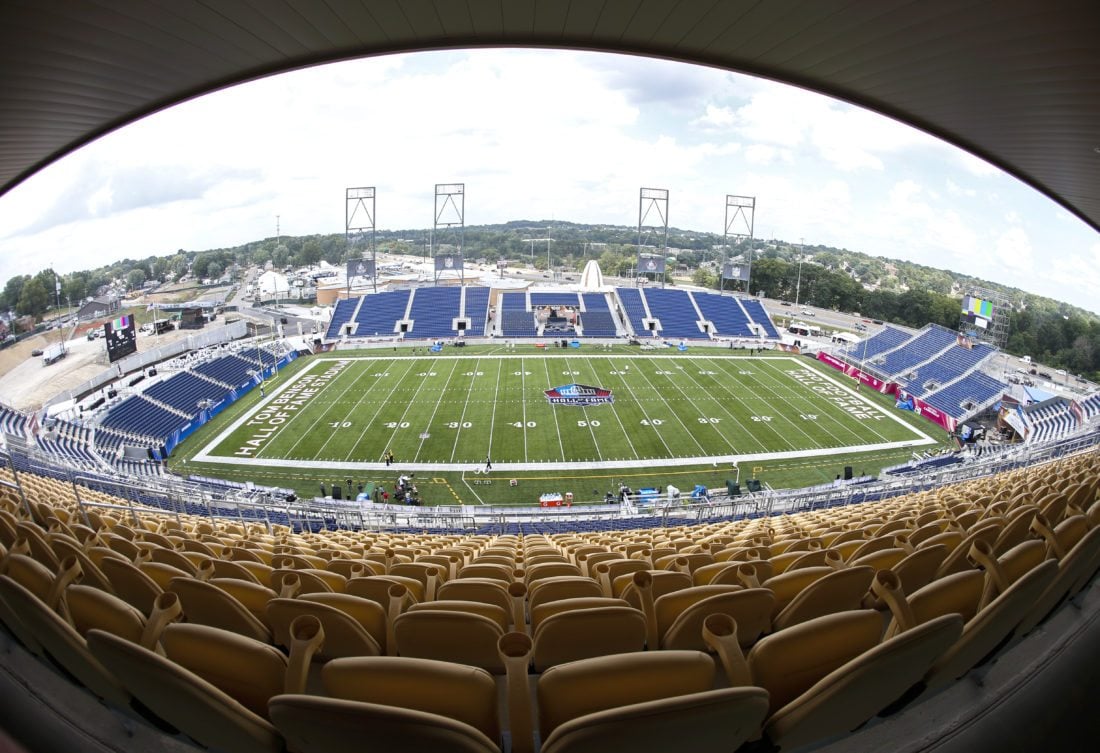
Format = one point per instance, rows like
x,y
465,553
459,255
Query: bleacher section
x,y
976,387
12,421
433,312
380,312
515,319
888,339
183,391
555,299
756,312
341,315
723,311
597,319
947,367
231,370
137,416
1049,419
675,311
477,310
916,351
634,309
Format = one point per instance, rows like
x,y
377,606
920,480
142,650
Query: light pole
x,y
798,284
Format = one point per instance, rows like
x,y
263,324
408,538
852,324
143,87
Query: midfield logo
x,y
578,394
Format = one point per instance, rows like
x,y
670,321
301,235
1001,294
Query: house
x,y
97,308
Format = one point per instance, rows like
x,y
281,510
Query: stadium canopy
x,y
1014,82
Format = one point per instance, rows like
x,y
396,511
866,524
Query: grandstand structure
x,y
936,366
435,313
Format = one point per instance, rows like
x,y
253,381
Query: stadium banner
x,y
448,262
651,265
360,268
932,413
735,271
578,394
868,380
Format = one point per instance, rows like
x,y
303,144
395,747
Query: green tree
x,y
13,290
136,278
34,298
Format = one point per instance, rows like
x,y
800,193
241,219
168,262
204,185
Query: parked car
x,y
784,303
36,352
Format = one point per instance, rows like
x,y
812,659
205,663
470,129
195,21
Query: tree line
x,y
893,290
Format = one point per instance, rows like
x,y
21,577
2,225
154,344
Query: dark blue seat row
x,y
433,312
184,391
675,311
725,313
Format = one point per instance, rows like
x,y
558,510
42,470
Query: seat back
x,y
491,611
991,626
460,637
90,608
789,662
750,607
186,701
788,585
207,604
455,691
330,725
584,633
561,587
863,686
919,568
838,591
571,690
61,641
131,584
344,635
483,590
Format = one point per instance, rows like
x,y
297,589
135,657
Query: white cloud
x,y
534,134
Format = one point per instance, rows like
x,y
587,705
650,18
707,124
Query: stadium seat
x,y
1075,568
484,590
838,591
207,604
561,587
681,614
452,636
61,642
584,633
645,702
344,634
187,701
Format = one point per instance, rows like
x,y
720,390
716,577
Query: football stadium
x,y
479,512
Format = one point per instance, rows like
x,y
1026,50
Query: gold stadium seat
x,y
644,702
991,626
453,636
550,570
377,587
680,615
787,586
561,587
484,590
345,635
1074,570
546,609
61,641
207,604
584,633
493,612
838,591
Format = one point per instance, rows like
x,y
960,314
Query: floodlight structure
x,y
449,217
984,316
359,230
740,219
652,221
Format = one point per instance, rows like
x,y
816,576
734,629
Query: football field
x,y
635,411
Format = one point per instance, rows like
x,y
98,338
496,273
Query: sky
x,y
537,134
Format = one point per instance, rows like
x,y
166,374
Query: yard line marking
x,y
523,404
381,404
749,434
324,413
493,417
557,426
438,400
626,434
639,401
587,422
410,402
462,418
805,393
674,413
759,386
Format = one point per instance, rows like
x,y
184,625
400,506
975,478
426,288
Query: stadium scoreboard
x,y
121,338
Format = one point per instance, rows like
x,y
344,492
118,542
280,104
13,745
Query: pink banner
x,y
870,380
933,414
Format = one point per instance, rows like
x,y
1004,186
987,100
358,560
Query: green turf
x,y
332,418
452,410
